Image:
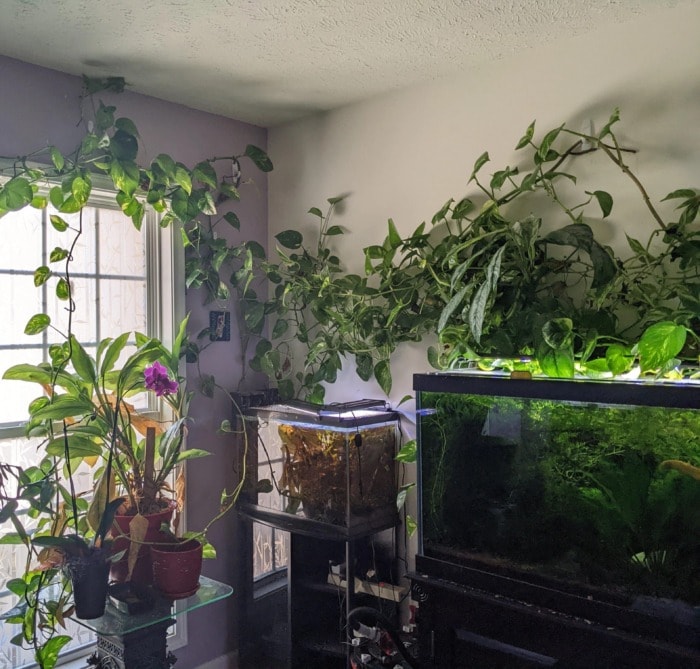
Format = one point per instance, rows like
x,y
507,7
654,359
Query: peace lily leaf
x,y
37,324
659,344
408,452
112,354
104,491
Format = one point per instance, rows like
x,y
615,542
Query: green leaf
x,y
557,363
80,189
558,332
125,176
411,525
618,359
402,494
127,125
82,362
112,353
480,162
182,178
205,173
364,366
578,235
605,201
58,254
394,236
482,297
56,199
47,655
232,220
614,118
334,230
124,146
681,193
450,307
64,406
166,164
527,137
290,239
543,153
604,266
659,344
41,275
62,289
57,158
79,445
315,211
192,453
382,372
408,452
16,194
37,324
259,158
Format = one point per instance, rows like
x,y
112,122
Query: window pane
x,y
122,251
21,300
15,396
22,248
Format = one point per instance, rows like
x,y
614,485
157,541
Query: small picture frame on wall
x,y
220,326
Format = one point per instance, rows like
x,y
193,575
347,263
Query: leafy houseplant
x,y
86,415
496,278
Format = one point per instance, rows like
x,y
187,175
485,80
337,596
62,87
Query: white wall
x,y
402,155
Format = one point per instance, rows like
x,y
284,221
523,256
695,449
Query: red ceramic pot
x,y
176,568
142,573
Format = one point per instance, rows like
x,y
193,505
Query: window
x,y
270,545
123,280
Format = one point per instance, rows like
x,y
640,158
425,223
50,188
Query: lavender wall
x,y
41,107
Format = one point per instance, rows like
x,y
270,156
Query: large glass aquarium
x,y
584,484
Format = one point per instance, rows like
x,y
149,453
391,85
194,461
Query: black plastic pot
x,y
90,579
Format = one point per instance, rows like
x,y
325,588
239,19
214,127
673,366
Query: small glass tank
x,y
325,469
594,483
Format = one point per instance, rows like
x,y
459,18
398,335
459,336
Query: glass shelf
x,y
117,623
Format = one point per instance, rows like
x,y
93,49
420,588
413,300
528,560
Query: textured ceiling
x,y
269,61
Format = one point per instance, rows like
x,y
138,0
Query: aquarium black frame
x,y
587,626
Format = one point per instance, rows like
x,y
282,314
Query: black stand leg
x,y
143,649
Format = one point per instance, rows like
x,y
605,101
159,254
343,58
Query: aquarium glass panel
x,y
596,493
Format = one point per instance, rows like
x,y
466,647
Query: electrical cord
x,y
374,618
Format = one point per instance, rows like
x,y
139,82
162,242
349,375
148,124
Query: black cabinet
x,y
327,579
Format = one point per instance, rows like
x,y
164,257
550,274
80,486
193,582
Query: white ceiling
x,y
270,61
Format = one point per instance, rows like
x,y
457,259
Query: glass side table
x,y
138,641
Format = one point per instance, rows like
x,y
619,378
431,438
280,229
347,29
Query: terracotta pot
x,y
176,568
142,573
90,579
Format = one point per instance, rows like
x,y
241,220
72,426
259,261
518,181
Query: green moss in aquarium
x,y
565,488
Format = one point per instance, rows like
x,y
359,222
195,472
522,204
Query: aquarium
x,y
582,485
327,470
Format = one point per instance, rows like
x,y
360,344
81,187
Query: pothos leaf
x,y
660,343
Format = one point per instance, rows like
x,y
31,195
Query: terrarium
x,y
327,469
564,482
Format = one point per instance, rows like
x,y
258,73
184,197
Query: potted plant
x,y
88,401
